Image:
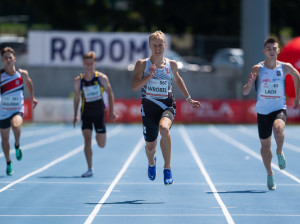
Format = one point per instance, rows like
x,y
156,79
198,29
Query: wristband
x,y
188,98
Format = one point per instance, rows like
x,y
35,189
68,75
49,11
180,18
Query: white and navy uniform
x,y
157,99
12,95
271,101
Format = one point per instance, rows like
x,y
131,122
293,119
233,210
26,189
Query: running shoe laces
x,y
281,161
271,183
152,171
168,177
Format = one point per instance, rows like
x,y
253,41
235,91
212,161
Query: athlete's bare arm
x,y
252,77
138,81
181,85
289,69
29,85
76,98
108,89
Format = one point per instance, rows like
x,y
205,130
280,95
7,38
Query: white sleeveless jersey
x,y
160,85
12,97
270,87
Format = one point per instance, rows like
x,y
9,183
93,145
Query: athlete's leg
x,y
150,151
5,143
16,123
87,135
165,141
266,154
278,130
101,139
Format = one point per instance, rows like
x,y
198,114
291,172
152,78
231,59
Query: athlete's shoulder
x,y
23,71
141,62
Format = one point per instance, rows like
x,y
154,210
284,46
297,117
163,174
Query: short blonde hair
x,y
90,55
7,49
157,35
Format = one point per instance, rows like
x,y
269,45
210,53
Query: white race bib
x,y
271,90
92,93
11,102
157,88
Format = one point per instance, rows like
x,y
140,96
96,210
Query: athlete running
x,y
154,77
12,103
268,77
91,85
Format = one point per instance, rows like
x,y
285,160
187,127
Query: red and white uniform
x,y
12,94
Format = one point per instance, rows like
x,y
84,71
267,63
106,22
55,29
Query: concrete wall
x,y
58,82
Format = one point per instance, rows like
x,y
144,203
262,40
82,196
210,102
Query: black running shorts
x,y
98,122
6,123
265,122
151,124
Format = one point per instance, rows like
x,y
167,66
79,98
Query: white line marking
x,y
255,135
58,160
163,215
192,149
115,181
246,149
46,141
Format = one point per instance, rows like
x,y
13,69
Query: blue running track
x,y
217,169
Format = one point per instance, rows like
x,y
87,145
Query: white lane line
x,y
163,215
255,135
58,160
40,131
135,151
192,149
247,150
46,141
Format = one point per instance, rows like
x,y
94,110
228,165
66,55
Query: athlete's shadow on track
x,y
133,202
59,177
239,192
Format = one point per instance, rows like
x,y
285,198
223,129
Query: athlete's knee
x,y
101,144
278,130
164,130
150,147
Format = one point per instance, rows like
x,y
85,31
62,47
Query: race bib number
x,y
157,89
11,102
271,90
92,93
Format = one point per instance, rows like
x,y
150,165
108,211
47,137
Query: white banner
x,y
61,48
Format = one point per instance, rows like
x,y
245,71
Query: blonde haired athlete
x,y
154,77
90,85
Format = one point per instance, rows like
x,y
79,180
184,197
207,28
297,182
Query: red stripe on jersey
x,y
12,85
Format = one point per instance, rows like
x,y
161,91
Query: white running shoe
x,y
88,173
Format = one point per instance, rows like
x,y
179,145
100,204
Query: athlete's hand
x,y
152,69
195,103
74,121
34,103
252,78
296,103
113,116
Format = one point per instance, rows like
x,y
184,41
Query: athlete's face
x,y
89,64
157,46
271,50
8,59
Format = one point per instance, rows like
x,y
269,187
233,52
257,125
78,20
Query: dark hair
x,y
270,40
